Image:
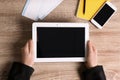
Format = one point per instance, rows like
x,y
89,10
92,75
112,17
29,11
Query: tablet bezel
x,y
66,25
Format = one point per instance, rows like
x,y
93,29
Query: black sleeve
x,y
95,73
20,71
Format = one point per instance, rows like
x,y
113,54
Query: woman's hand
x,y
91,56
28,54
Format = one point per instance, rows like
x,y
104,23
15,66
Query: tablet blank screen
x,y
60,42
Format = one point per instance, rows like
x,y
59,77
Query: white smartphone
x,y
103,15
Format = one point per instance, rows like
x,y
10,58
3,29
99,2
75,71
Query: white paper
x,y
35,9
47,6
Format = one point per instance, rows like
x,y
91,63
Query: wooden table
x,y
15,30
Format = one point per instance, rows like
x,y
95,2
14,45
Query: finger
x,y
90,49
94,49
25,48
31,46
95,52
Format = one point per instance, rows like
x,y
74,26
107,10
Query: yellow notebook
x,y
91,8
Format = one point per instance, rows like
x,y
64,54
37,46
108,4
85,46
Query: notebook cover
x,y
92,6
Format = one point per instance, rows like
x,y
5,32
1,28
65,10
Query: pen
x,y
84,6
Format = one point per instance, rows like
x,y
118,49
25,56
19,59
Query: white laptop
x,y
60,42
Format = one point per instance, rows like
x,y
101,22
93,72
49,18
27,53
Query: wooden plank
x,y
15,30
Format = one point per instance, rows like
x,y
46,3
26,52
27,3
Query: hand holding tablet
x,y
60,42
28,54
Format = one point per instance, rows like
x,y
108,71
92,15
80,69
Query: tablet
x,y
60,42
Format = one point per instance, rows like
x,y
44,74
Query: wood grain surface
x,y
15,30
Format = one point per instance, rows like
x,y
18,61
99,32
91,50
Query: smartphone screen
x,y
104,14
